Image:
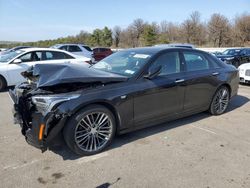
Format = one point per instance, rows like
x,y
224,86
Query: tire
x,y
3,83
220,101
90,130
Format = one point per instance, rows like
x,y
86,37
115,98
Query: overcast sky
x,y
31,20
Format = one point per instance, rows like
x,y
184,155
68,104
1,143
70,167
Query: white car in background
x,y
244,71
15,62
78,49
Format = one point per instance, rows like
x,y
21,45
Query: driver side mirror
x,y
152,73
17,61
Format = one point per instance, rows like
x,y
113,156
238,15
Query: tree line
x,y
217,31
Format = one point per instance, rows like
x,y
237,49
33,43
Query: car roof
x,y
187,45
157,49
41,49
101,48
69,44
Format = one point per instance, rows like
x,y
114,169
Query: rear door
x,y
200,78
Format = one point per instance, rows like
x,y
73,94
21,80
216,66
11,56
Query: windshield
x,y
126,63
7,57
231,52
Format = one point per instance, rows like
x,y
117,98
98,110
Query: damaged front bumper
x,y
39,130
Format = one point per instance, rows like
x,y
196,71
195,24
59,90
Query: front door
x,y
27,60
162,96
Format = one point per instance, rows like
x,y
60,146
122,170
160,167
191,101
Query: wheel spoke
x,y
89,120
84,141
82,135
105,135
86,137
89,125
97,117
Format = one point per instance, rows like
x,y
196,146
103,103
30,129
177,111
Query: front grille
x,y
248,72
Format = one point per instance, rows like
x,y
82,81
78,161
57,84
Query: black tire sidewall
x,y
3,83
70,126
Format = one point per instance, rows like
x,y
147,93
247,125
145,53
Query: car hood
x,y
245,66
46,75
3,63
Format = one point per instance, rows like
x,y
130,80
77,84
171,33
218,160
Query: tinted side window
x,y
243,52
26,57
74,49
87,48
248,51
67,56
213,62
103,49
195,61
169,62
32,56
63,48
57,55
96,50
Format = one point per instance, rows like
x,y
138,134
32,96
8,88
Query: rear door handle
x,y
179,80
215,73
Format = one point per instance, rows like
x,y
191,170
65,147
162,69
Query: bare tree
x,y
169,32
219,30
117,34
242,29
128,38
137,28
193,30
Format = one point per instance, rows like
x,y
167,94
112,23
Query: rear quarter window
x,y
87,48
195,61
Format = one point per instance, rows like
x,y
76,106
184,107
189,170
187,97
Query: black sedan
x,y
128,90
235,56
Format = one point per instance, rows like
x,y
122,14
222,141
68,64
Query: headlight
x,y
45,103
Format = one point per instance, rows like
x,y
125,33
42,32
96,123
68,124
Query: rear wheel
x,y
3,83
220,101
90,131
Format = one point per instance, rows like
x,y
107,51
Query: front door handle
x,y
215,73
179,80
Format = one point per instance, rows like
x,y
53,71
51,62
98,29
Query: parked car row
x,y
236,56
96,54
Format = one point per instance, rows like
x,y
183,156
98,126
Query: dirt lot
x,y
198,151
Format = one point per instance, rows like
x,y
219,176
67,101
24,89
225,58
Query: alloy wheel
x,y
93,131
221,100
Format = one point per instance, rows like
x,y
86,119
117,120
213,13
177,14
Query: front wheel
x,y
220,101
90,131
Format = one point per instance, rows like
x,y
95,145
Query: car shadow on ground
x,y
121,140
7,89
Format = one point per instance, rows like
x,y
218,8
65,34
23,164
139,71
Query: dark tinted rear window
x,y
87,48
195,61
57,55
74,49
